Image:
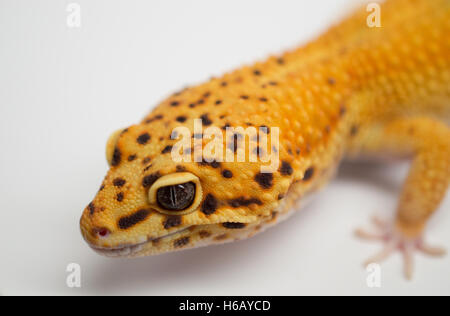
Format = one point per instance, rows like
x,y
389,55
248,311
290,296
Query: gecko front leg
x,y
427,142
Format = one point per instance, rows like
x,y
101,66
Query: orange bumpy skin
x,y
354,91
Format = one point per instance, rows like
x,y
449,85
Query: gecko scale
x,y
353,92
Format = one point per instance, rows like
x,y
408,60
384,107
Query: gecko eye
x,y
178,193
176,197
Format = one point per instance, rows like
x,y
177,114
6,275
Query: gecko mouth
x,y
134,249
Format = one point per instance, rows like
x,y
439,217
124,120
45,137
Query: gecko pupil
x,y
176,197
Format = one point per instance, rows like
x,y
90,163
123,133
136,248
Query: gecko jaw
x,y
131,250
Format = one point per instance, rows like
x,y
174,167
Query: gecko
x,y
354,92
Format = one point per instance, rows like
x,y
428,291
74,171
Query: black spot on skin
x,y
342,110
117,155
204,234
119,182
101,187
201,101
180,168
206,94
263,99
175,103
258,151
181,242
132,157
91,208
148,167
133,219
209,205
354,130
264,129
331,81
273,83
280,196
280,61
231,225
309,173
244,97
286,169
150,179
224,83
146,160
192,105
264,180
214,164
218,102
257,72
227,174
156,241
119,196
157,117
166,149
241,201
181,119
172,221
221,237
143,138
235,143
205,119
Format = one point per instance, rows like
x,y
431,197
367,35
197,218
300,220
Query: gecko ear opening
x,y
176,194
111,144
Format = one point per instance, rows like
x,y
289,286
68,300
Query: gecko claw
x,y
394,240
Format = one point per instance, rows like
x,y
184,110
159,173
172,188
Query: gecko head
x,y
149,204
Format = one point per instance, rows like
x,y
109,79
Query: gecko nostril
x,y
103,232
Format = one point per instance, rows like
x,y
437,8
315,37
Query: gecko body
x,y
353,92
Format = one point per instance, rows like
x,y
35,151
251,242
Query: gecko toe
x,y
432,251
393,241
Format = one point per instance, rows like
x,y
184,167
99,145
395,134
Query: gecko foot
x,y
394,240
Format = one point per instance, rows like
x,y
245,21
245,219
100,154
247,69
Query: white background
x,y
62,91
